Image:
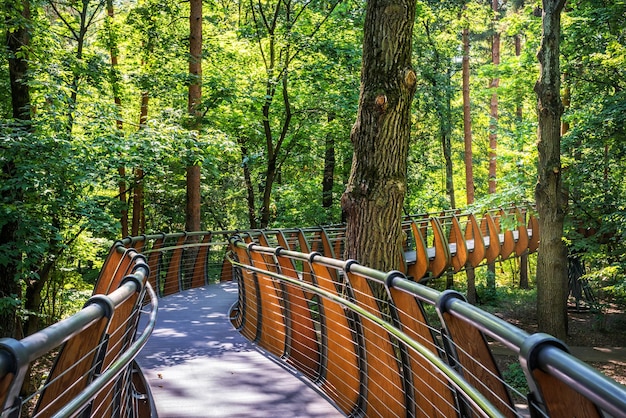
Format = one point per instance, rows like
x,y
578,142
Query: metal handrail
x,y
477,399
535,351
118,366
17,355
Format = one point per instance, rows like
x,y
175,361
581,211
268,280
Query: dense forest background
x,y
101,142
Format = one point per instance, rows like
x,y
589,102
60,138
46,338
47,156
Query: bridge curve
x,y
199,365
317,314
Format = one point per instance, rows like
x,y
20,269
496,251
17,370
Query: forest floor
x,y
589,329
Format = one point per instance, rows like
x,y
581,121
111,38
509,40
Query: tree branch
x,y
56,11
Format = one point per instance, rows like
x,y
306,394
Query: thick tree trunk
x,y
375,192
193,215
467,120
551,200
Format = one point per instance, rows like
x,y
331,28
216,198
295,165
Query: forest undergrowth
x,y
601,324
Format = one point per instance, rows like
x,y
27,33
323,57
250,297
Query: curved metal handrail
x,y
95,346
116,368
558,383
175,262
478,400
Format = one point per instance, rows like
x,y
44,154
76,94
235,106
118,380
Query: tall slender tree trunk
x,y
519,110
139,217
469,155
551,200
467,119
493,120
193,215
445,129
567,100
274,149
274,21
80,43
17,41
519,114
493,125
328,180
138,224
249,186
376,189
121,170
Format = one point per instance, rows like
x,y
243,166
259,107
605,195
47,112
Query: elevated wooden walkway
x,y
370,343
198,365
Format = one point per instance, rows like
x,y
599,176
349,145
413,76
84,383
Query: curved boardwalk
x,y
198,365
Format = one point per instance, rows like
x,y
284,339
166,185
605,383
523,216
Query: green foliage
x,y
594,49
505,297
65,189
514,376
9,304
609,283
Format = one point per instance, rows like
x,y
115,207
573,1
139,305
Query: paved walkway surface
x,y
198,365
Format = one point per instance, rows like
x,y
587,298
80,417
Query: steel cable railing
x,y
380,356
93,372
410,351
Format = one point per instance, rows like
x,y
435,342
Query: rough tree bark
x,y
549,193
376,188
192,221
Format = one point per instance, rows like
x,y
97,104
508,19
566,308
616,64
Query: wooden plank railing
x,y
93,372
416,352
454,241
